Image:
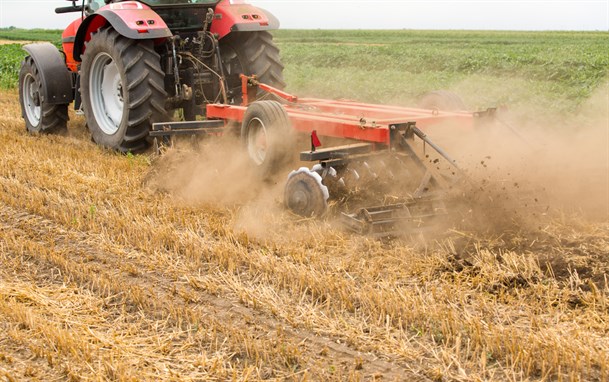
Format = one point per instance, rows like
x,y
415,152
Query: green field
x,y
16,34
12,54
552,70
558,69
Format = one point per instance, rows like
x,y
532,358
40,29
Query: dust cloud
x,y
213,171
525,165
217,172
557,163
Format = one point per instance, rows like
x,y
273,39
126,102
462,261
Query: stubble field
x,y
117,267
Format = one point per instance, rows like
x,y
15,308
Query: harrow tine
x,y
412,217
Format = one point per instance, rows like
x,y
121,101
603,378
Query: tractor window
x,y
94,5
179,2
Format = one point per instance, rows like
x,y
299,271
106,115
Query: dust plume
x,y
214,171
217,172
536,163
521,167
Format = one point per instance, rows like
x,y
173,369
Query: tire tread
x,y
144,84
54,118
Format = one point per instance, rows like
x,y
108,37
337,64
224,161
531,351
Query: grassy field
x,y
11,53
553,70
16,34
556,70
106,275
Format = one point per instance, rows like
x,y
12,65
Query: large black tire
x,y
250,53
39,116
122,87
442,100
267,135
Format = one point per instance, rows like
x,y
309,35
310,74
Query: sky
x,y
380,14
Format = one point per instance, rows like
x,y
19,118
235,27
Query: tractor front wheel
x,y
40,117
122,87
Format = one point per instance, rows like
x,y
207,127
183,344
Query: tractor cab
x,y
179,15
94,5
155,3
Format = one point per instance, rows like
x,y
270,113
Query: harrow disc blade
x,y
413,217
304,194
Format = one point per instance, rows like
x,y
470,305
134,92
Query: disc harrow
x,y
388,178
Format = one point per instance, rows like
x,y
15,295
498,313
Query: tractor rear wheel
x,y
122,87
39,116
250,53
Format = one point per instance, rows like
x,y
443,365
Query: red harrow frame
x,y
371,130
339,118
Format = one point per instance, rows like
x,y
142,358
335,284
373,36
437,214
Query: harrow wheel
x,y
39,116
122,87
304,194
267,135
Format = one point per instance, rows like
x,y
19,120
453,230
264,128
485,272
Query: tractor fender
x,y
233,16
55,78
131,19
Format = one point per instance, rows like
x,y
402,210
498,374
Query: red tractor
x,y
129,64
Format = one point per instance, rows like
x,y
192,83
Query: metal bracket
x,y
251,82
486,114
399,131
338,152
166,131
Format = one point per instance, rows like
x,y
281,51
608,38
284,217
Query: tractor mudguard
x,y
236,16
55,77
131,19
